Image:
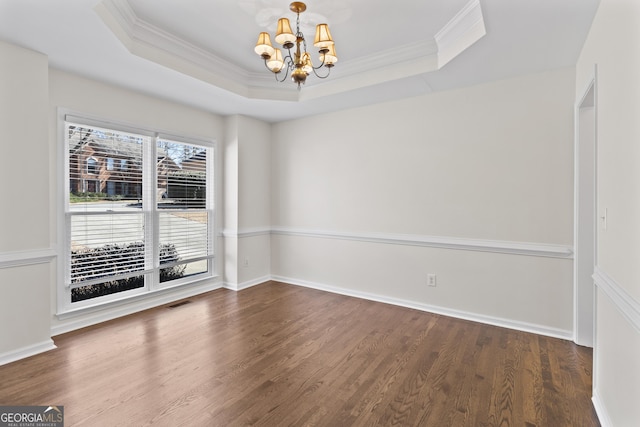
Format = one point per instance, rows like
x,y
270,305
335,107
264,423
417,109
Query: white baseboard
x,y
601,411
474,317
28,351
92,316
247,284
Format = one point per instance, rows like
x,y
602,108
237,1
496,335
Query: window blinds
x,y
137,203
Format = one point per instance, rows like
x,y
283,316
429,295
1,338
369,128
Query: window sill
x,y
132,304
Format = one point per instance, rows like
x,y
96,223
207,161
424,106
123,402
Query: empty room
x,y
355,213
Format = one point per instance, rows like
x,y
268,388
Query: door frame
x,y
585,213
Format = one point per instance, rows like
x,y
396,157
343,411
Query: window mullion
x,y
150,207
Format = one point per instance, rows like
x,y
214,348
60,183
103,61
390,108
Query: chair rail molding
x,y
23,258
443,242
246,232
625,303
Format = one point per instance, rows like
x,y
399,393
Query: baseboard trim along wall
x,y
629,307
603,416
443,242
474,317
28,351
247,284
23,258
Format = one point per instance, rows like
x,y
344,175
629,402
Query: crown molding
x,y
407,53
157,45
466,28
150,42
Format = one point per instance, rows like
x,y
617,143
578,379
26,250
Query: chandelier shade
x,y
297,60
323,37
275,62
263,46
284,34
329,57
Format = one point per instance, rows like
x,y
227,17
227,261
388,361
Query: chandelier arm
x,y
319,76
287,65
275,73
318,67
286,73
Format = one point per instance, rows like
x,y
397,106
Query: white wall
x,y
26,251
613,45
360,197
247,202
32,98
107,102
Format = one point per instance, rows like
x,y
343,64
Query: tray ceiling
x,y
201,52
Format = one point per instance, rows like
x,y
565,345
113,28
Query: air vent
x,y
178,304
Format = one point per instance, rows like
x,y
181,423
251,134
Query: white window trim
x,y
96,166
111,302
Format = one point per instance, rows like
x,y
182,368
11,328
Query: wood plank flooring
x,y
281,355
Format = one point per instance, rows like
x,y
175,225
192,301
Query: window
x,y
150,227
92,166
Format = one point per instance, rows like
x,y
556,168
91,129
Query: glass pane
x,y
182,175
105,245
104,166
111,287
183,270
186,231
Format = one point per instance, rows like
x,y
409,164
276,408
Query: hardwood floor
x,y
281,355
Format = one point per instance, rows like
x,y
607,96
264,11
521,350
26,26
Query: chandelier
x,y
298,62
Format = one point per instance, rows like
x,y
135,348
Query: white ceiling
x,y
200,52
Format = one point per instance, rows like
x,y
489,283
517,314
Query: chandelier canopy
x,y
298,62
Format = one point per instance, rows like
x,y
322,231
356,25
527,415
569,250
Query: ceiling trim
x,y
466,28
150,42
157,45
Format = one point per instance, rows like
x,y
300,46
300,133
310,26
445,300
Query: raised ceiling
x,y
200,52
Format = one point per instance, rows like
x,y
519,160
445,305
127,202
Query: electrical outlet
x,y
245,263
603,219
431,280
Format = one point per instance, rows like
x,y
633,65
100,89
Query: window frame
x,y
150,210
93,166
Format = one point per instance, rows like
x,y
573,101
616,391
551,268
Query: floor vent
x,y
178,304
